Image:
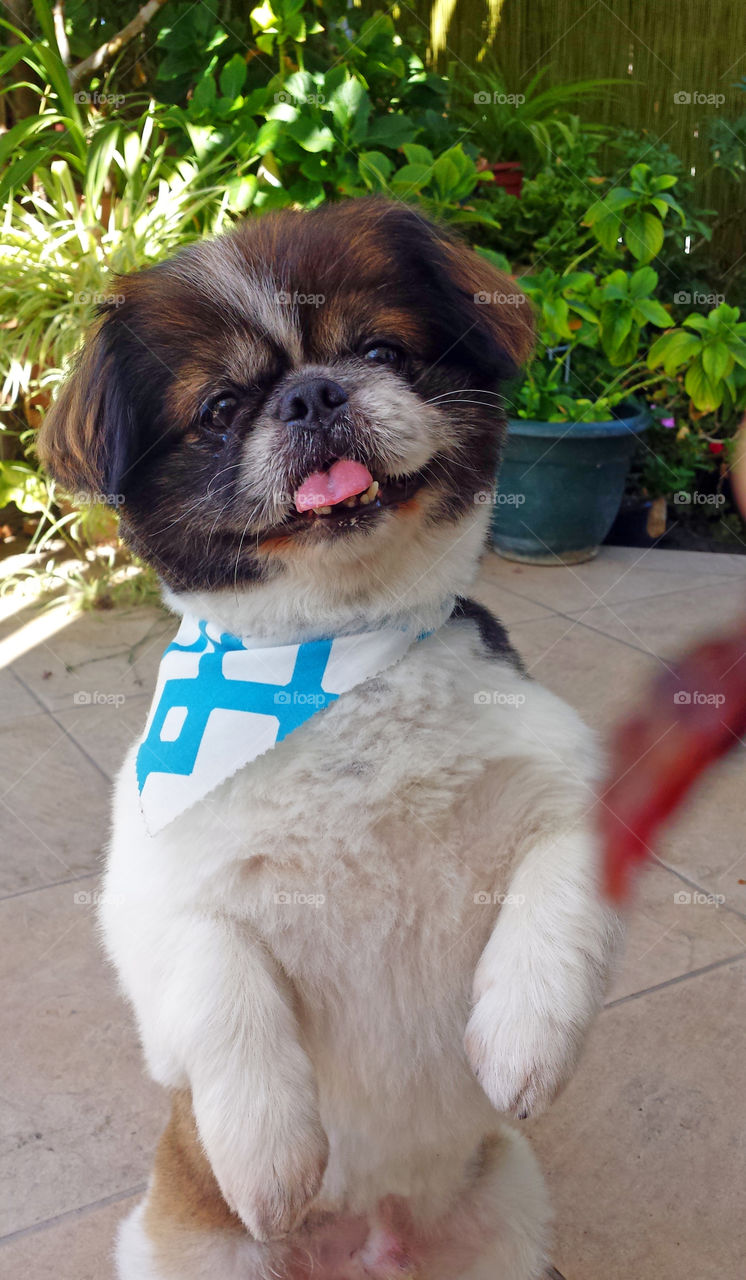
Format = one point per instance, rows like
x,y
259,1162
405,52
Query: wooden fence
x,y
681,61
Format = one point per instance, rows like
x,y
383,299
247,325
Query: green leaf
x,y
665,181
643,235
615,327
416,154
650,309
391,131
717,361
309,135
350,107
704,395
618,198
233,76
673,349
375,169
643,282
205,96
413,177
607,232
556,314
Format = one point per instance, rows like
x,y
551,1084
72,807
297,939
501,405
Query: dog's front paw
x,y
521,1056
269,1172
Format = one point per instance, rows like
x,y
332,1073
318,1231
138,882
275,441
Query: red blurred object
x,y
507,174
695,713
716,446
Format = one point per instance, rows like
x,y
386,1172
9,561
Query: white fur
x,y
340,1016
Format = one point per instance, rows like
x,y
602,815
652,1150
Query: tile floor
x,y
646,1150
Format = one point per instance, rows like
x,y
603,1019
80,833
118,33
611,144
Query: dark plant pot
x,y
508,174
630,527
561,486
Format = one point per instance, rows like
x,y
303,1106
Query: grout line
x,y
568,617
61,727
74,1213
52,884
695,884
673,982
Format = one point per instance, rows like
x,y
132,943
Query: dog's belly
x,y
380,945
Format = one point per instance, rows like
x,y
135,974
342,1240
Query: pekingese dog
x,y
348,954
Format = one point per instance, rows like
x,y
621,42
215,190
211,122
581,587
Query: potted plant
x,y
515,132
575,419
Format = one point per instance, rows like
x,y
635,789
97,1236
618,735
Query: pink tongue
x,y
326,488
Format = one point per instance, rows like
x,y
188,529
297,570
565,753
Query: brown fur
x,y
184,1193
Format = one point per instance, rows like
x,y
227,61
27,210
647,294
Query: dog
x,y
352,952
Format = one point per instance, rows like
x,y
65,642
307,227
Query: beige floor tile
x,y
80,1118
77,1248
106,731
53,806
707,841
673,929
492,588
97,655
646,1149
667,625
617,574
600,679
15,701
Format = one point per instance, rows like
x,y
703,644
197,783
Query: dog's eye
x,y
218,413
383,353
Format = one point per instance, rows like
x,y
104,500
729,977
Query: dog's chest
x,y
365,832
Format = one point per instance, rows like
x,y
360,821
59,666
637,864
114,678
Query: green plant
x,y
635,214
523,126
590,335
710,353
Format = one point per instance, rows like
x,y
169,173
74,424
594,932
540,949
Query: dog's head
x,y
313,395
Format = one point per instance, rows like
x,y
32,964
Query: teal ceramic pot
x,y
561,487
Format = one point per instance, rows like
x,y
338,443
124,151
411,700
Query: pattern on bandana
x,y
219,704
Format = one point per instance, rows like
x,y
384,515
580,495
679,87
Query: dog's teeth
x,y
350,502
322,511
369,494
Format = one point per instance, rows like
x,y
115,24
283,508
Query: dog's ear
x,y
500,323
87,441
479,313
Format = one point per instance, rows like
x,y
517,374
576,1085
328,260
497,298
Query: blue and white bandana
x,y
219,704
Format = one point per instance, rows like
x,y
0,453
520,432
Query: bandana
x,y
219,704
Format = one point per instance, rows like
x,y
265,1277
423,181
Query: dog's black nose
x,y
312,402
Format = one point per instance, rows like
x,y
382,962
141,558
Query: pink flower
x,y
668,422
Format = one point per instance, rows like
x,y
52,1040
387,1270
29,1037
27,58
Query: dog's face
x,y
301,391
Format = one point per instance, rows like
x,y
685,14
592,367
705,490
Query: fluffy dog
x,y
358,948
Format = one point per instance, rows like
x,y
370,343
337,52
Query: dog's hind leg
x,y
500,1227
183,1229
